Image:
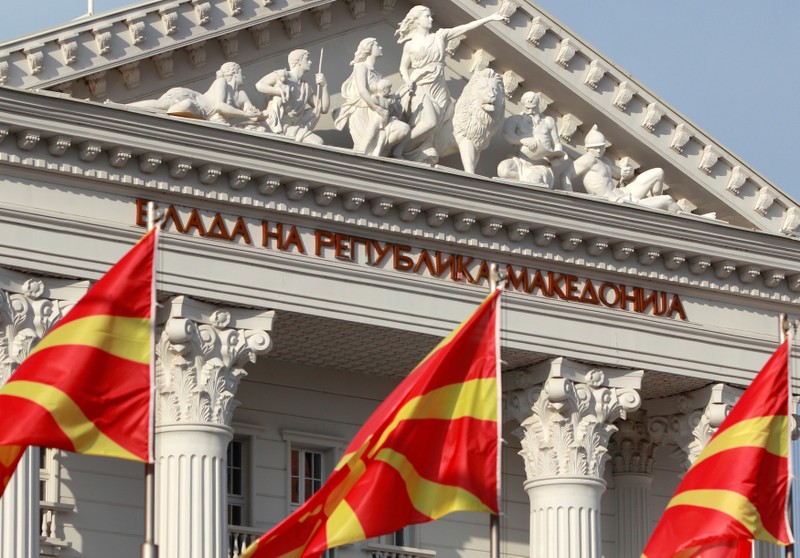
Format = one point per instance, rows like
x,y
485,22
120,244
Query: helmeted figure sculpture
x,y
599,173
294,106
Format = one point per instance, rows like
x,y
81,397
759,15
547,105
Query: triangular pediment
x,y
140,52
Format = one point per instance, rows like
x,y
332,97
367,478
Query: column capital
x,y
699,414
632,447
566,410
201,353
29,307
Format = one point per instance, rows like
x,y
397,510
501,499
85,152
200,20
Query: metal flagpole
x,y
149,547
494,520
90,10
785,334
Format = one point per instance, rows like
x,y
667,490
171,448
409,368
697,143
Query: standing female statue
x,y
368,106
426,99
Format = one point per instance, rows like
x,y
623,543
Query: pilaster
x,y
566,410
201,353
29,307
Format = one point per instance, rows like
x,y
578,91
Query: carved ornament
x,y
791,221
625,92
260,35
652,117
737,180
200,358
699,415
566,52
69,49
708,159
29,307
536,31
566,420
436,216
681,137
594,74
632,447
766,197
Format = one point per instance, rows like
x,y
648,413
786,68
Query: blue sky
x,y
728,65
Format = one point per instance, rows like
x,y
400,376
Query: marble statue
x,y
370,110
225,101
294,104
539,146
477,116
599,173
426,99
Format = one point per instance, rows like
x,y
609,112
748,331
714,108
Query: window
x,y
310,458
237,460
306,474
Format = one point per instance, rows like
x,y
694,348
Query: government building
x,y
336,178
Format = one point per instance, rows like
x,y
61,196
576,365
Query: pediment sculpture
x,y
224,101
599,175
421,121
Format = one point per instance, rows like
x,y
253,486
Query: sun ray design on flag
x,y
431,448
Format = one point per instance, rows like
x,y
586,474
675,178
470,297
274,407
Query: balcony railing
x,y
50,516
239,538
390,551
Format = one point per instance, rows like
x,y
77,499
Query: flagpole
x,y
785,334
494,520
149,547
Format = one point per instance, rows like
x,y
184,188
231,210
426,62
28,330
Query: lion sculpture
x,y
477,116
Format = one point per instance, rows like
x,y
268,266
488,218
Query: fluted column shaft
x,y
565,410
565,517
19,510
632,491
190,491
200,357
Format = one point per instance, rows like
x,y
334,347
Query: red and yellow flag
x,y
737,489
431,448
86,386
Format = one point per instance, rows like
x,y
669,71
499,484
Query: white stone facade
x,y
300,279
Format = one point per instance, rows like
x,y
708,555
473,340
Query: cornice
x,y
235,172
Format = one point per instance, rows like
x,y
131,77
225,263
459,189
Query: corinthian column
x,y
200,357
28,309
565,410
631,450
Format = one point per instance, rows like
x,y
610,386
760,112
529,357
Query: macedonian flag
x,y
431,448
737,489
86,386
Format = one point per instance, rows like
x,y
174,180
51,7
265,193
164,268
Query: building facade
x,y
321,236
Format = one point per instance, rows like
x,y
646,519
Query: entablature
x,y
208,166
